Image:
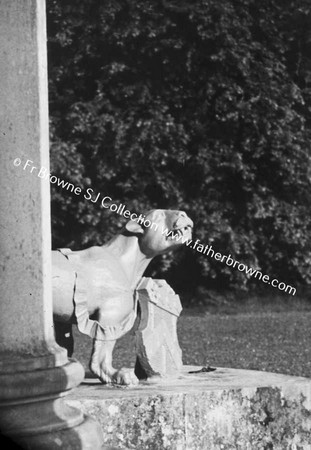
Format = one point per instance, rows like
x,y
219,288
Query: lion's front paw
x,y
103,375
125,377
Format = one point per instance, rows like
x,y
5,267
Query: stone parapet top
x,y
219,380
221,410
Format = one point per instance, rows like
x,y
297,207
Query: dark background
x,y
204,107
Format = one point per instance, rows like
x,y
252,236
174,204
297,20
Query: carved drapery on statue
x,y
65,274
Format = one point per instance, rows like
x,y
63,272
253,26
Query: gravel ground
x,y
269,341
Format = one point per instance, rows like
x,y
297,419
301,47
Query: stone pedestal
x,y
34,372
220,410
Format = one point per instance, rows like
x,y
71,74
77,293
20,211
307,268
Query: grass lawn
x,y
269,341
260,335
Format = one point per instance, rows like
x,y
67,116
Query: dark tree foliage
x,y
203,106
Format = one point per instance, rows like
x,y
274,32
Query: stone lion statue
x,y
95,288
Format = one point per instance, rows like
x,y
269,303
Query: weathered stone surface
x,y
158,351
26,301
221,410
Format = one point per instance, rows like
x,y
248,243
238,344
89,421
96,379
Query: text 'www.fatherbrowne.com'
x,y
209,251
106,202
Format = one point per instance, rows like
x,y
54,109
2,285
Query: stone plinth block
x,y
221,410
158,351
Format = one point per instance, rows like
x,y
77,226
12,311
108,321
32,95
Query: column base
x,y
87,436
34,415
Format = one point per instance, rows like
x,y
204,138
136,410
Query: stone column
x,y
34,372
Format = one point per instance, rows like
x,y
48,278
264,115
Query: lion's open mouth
x,y
181,229
178,233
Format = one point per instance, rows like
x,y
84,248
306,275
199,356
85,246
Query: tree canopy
x,y
201,106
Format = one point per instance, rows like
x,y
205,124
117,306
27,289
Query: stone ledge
x,y
221,410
